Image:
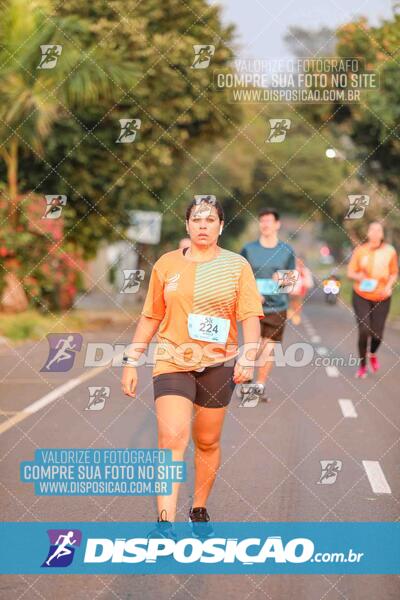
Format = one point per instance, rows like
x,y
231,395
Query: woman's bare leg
x,y
206,432
174,415
296,305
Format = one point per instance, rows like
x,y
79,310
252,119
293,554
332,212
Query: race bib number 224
x,y
208,329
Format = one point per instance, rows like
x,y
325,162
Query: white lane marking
x,y
315,339
50,397
376,477
332,371
322,351
348,408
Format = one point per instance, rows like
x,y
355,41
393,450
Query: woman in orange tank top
x,y
374,270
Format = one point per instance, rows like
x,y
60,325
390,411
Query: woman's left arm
x,y
244,367
393,274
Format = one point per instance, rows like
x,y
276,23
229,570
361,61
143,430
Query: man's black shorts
x,y
272,325
211,388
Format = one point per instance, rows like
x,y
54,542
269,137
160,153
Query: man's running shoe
x,y
374,362
362,372
200,522
164,529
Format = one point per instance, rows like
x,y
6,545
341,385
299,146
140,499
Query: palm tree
x,y
32,98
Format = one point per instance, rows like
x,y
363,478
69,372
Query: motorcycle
x,y
331,288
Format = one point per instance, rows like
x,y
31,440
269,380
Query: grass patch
x,y
31,325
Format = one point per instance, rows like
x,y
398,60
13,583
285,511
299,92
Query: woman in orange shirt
x,y
195,297
374,269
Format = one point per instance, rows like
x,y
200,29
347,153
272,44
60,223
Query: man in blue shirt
x,y
267,256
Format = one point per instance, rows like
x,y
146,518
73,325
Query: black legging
x,y
371,317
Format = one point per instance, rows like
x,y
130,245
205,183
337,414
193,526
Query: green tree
x,y
366,133
32,101
60,126
178,109
372,124
294,175
375,120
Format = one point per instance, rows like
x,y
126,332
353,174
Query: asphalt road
x,y
270,459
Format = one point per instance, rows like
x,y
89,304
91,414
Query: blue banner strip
x,y
235,548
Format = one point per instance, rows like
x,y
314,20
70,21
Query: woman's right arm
x,y
154,306
143,335
353,268
355,275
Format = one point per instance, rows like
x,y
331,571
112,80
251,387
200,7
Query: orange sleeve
x,y
354,260
154,305
248,300
394,264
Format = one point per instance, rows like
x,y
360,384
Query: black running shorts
x,y
211,388
272,325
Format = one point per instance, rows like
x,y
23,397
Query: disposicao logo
x,y
190,550
62,547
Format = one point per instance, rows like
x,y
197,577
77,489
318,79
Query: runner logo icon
x,y
129,129
97,397
279,129
203,54
62,351
329,471
50,56
54,206
357,206
287,280
132,280
63,543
